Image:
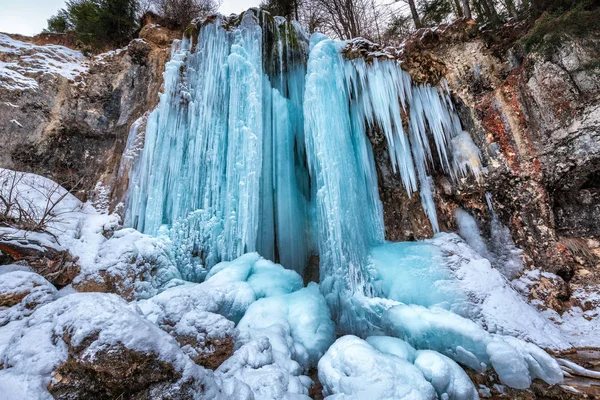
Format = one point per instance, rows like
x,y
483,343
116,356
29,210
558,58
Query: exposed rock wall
x,y
73,130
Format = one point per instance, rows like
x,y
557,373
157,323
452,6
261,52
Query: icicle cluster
x,y
222,165
343,98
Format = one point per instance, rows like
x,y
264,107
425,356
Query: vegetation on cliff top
x,y
576,19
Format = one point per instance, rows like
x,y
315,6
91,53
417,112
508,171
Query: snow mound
x,y
264,277
130,264
447,377
86,329
353,369
229,290
255,364
298,326
28,61
21,293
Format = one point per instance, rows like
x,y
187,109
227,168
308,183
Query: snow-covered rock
x,y
21,293
23,62
255,364
96,345
130,264
384,367
298,325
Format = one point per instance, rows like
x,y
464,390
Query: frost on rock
x,y
96,345
21,293
130,264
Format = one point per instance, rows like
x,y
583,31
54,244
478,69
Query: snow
x,y
447,377
578,326
32,290
4,269
228,290
30,61
298,325
353,369
490,300
73,225
255,365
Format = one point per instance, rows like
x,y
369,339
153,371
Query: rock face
x,y
71,124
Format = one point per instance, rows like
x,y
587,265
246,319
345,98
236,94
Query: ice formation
x,y
223,159
499,248
259,146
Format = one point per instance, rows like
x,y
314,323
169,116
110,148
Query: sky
x,y
28,17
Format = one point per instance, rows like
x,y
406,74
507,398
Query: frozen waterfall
x,y
259,144
239,155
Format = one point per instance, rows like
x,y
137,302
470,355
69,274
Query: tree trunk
x,y
494,17
480,14
466,9
512,10
415,15
459,10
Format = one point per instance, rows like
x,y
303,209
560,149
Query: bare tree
x,y
414,13
466,9
28,205
345,19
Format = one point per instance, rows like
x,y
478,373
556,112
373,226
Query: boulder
x,y
21,293
91,345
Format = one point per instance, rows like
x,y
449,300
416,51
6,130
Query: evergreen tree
x,y
97,23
